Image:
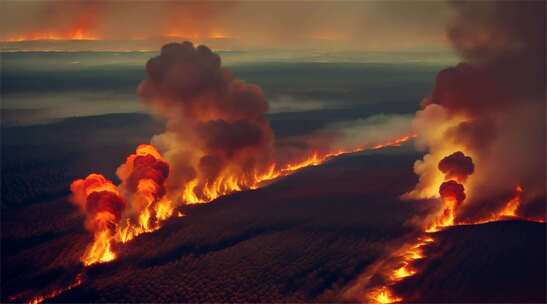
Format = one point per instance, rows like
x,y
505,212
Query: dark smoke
x,y
452,190
503,45
457,166
499,91
215,122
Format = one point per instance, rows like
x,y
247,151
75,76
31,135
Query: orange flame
x,y
75,34
399,269
507,211
101,218
147,200
152,208
230,182
383,295
446,218
41,298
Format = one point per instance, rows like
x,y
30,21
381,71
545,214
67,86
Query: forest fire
x,y
383,295
100,199
229,148
398,268
41,298
143,176
76,34
145,203
79,22
456,166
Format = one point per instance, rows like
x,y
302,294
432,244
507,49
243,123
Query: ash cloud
x,y
215,122
494,101
457,166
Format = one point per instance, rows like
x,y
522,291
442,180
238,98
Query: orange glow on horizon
x,y
76,34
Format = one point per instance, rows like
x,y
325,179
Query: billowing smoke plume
x,y
491,106
217,140
116,214
457,166
216,126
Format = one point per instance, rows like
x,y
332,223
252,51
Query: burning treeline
x,y
217,141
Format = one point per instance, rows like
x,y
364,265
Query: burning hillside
x,y
473,130
481,133
217,141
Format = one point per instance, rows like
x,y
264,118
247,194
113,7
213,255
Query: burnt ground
x,y
301,239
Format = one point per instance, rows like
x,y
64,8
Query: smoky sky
x,y
367,24
499,90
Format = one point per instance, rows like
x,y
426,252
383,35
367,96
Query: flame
x,y
446,217
399,268
100,250
403,272
75,34
152,208
394,143
383,295
402,267
507,211
41,298
231,181
144,149
218,35
101,221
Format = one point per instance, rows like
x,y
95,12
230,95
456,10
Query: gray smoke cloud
x,y
491,106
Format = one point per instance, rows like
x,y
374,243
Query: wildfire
x,y
507,211
41,298
101,201
75,34
117,214
384,295
229,182
456,168
399,268
143,175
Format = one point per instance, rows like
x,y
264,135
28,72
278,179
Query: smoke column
x,y
490,107
217,135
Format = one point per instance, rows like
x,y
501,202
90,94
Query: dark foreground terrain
x,y
301,239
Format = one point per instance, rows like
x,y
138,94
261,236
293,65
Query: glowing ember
x,y
383,295
403,272
40,299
